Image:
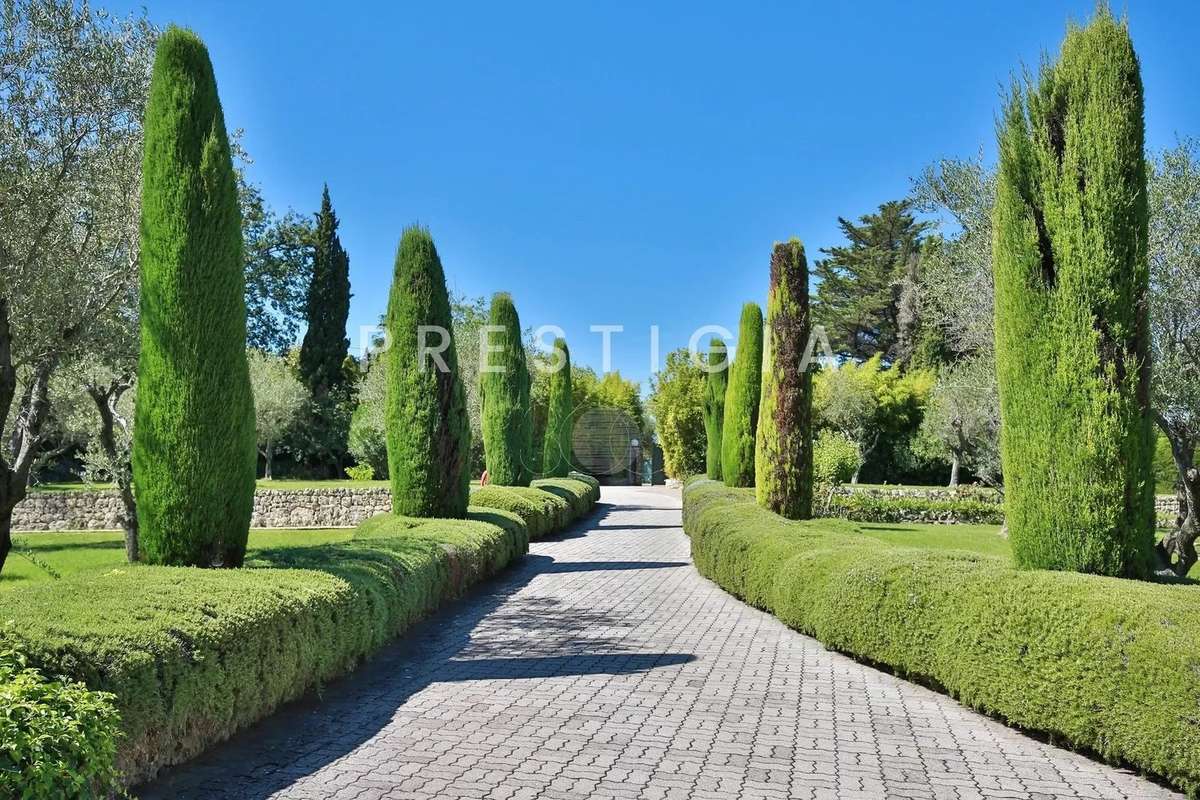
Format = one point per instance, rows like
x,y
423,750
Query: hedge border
x,y
1105,665
192,656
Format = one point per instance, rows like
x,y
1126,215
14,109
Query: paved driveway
x,y
604,666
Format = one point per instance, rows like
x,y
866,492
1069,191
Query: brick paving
x,y
604,666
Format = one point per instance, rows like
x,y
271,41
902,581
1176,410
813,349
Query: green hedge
x,y
193,655
873,508
547,506
1103,664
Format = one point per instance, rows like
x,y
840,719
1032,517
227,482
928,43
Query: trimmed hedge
x,y
193,655
547,506
862,507
1099,663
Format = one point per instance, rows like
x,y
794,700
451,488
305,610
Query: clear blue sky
x,y
628,163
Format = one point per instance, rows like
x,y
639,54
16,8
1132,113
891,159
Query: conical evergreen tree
x,y
325,344
504,397
1072,349
556,451
784,453
740,427
428,430
714,405
194,443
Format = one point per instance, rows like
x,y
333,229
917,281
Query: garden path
x,y
605,666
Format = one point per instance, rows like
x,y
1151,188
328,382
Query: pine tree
x,y
784,453
1071,275
861,295
428,431
504,392
325,344
556,451
740,426
714,405
194,446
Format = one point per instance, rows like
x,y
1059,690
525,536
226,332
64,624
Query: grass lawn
x,y
67,553
983,539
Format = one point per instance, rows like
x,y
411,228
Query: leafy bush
x,y
1098,663
590,481
542,511
361,472
580,496
57,739
1072,343
835,458
194,451
863,507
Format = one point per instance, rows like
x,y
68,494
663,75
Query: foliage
x,y
57,739
962,419
835,458
504,382
194,443
428,433
194,655
327,307
541,511
279,398
874,406
677,403
73,87
368,431
863,507
469,315
361,472
863,289
740,426
715,385
783,452
998,639
556,448
1072,345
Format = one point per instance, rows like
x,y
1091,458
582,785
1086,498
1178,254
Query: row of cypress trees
x,y
758,410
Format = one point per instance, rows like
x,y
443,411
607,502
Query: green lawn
x,y
983,539
66,552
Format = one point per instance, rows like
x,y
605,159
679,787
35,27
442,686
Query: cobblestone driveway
x,y
604,666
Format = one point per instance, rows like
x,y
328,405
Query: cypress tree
x,y
741,401
784,455
714,405
428,430
194,443
325,344
556,450
1070,231
504,397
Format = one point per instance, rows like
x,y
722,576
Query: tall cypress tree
x,y
325,344
504,394
714,405
784,455
1072,355
428,430
556,450
740,426
194,443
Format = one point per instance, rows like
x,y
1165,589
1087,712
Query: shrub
x,y
783,454
194,452
715,387
541,512
592,483
740,426
57,739
863,507
579,495
361,472
428,432
194,655
504,393
835,458
556,450
1071,274
1098,663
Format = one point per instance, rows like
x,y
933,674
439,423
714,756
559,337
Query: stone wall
x,y
273,508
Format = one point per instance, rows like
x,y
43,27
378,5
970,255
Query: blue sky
x,y
628,163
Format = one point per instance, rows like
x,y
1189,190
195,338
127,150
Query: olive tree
x,y
279,397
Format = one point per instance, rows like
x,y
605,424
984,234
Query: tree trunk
x,y
129,522
5,536
268,455
106,399
954,462
1176,553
